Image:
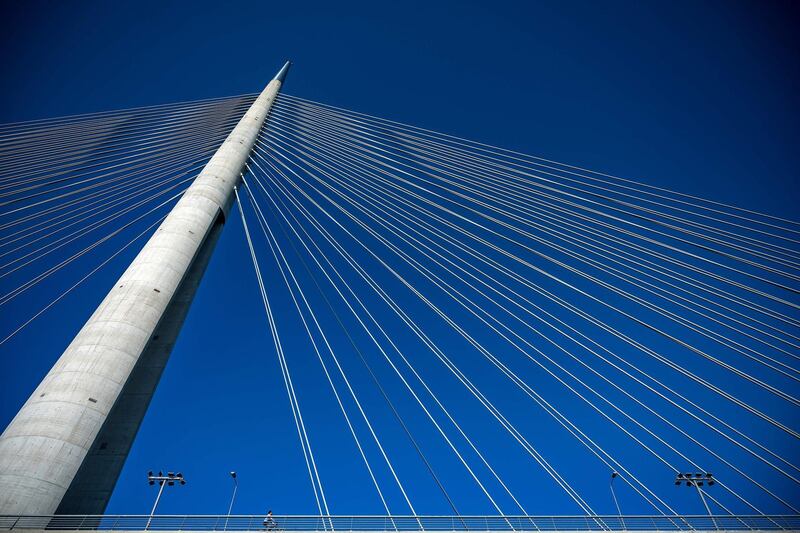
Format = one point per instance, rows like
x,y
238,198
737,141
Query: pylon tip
x,y
281,75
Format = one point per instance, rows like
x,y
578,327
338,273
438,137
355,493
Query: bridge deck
x,y
370,524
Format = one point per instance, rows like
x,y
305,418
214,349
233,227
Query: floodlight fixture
x,y
162,481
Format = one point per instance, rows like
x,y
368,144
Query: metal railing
x,y
280,524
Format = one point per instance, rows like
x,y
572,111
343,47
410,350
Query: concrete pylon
x,y
63,451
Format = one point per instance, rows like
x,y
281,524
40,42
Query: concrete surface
x,y
92,401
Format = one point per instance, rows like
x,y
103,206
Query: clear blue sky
x,y
697,97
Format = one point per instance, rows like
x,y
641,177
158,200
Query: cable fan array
x,y
586,325
76,187
485,329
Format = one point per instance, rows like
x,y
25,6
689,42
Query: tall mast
x,y
63,451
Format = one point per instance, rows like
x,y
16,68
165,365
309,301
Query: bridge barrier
x,y
401,523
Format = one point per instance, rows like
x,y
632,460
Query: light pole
x,y
162,480
614,495
697,480
233,498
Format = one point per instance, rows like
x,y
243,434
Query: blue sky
x,y
697,97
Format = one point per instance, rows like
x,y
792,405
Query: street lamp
x,y
697,480
170,479
233,498
614,495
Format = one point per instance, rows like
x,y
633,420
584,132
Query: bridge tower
x,y
63,451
